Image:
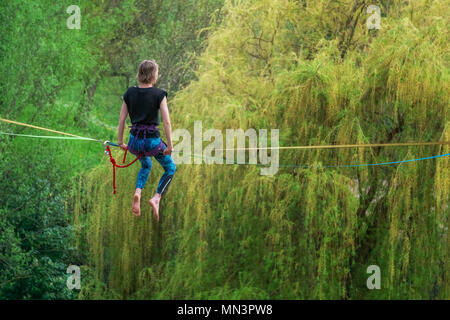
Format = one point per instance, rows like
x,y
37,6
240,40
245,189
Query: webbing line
x,y
264,148
46,129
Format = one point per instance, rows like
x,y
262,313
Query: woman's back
x,y
143,104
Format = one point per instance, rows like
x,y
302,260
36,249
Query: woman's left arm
x,y
122,119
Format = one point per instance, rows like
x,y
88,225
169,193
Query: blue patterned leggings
x,y
165,161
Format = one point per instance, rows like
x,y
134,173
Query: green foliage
x,y
309,68
36,243
313,70
39,57
72,81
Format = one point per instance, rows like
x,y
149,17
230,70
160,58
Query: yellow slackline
x,y
336,146
398,144
44,129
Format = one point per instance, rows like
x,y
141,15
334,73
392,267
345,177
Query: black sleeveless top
x,y
143,105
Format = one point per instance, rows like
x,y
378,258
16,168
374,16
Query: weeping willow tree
x,y
315,71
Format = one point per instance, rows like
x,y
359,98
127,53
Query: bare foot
x,y
154,202
136,208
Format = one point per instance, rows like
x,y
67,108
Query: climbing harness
x,y
140,132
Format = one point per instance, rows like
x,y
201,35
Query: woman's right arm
x,y
167,126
